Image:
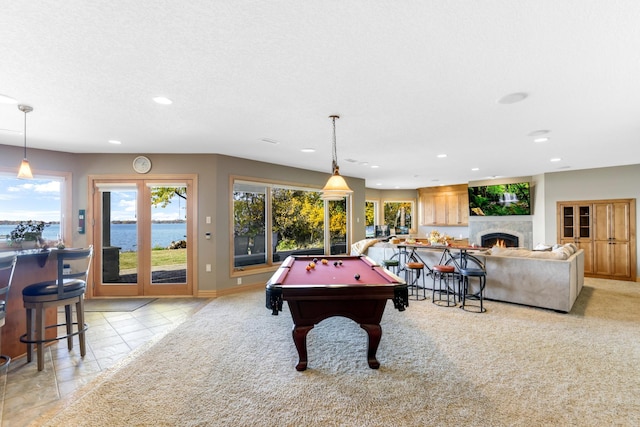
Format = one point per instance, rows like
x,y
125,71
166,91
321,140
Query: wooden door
x,y
143,232
613,254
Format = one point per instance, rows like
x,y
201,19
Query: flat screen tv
x,y
500,199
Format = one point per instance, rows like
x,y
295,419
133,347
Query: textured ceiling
x,y
410,79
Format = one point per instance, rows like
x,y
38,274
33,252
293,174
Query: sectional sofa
x,y
549,279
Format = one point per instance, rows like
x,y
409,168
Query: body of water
x,y
124,235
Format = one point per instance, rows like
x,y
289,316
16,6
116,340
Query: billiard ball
x,y
340,262
315,260
324,261
335,264
312,264
357,276
308,268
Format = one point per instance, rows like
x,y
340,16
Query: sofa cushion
x,y
560,253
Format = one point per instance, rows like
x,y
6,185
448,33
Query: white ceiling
x,y
410,79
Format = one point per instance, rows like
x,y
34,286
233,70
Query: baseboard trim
x,y
229,291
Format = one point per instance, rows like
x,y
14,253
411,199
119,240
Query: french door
x,y
143,236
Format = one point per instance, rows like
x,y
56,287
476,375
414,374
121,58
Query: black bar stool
x,y
7,267
391,265
68,289
466,294
446,272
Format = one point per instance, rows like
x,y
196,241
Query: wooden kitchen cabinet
x,y
612,250
443,205
605,230
574,226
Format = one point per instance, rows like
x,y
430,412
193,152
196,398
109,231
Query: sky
x,y
39,199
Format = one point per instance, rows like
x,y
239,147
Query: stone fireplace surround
x,y
523,230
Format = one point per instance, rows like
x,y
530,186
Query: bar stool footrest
x,y
23,337
4,361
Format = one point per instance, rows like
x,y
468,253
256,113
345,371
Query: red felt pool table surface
x,y
294,272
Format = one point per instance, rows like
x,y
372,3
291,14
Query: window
x,y
399,216
271,222
38,199
370,217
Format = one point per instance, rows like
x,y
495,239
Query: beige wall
x,y
213,171
620,182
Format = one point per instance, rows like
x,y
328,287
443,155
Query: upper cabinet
x,y
444,205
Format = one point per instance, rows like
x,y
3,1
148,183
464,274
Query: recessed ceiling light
x,y
539,132
540,140
379,184
374,166
6,99
269,141
441,156
115,142
363,163
475,169
555,159
397,187
162,100
308,150
512,98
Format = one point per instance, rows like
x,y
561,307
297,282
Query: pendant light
x,y
25,170
336,187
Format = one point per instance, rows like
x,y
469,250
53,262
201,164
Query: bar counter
x,y
32,266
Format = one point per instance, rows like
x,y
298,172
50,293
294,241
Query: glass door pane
x,y
338,226
168,234
119,237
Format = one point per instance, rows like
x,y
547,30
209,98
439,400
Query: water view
x,y
123,235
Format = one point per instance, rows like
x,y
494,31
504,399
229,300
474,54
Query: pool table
x,y
318,287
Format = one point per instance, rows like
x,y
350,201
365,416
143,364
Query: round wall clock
x,y
141,164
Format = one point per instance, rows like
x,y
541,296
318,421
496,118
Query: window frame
x,y
270,264
413,228
66,188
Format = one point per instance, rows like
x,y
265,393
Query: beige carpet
x,y
233,363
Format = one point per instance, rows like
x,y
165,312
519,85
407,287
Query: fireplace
x,y
518,233
506,240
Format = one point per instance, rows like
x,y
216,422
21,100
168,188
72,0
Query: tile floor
x,y
27,393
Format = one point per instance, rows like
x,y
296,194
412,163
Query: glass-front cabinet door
x,y
575,226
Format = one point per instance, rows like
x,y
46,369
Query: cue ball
x,y
357,276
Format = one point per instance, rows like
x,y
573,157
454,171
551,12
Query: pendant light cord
x,y
334,164
25,134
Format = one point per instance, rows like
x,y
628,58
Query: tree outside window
x,y
291,219
399,215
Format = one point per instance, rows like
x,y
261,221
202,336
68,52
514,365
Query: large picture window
x,y
271,222
41,199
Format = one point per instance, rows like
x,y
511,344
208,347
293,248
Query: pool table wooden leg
x,y
375,333
300,339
